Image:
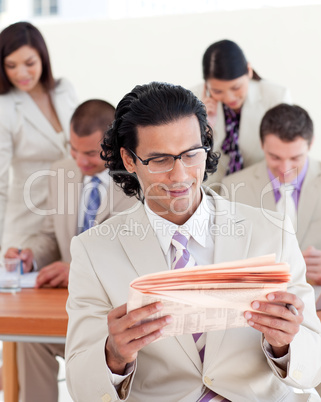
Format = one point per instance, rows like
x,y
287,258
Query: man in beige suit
x,y
161,138
69,190
286,137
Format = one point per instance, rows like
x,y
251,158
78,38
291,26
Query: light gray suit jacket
x,y
52,243
261,96
108,257
252,186
28,146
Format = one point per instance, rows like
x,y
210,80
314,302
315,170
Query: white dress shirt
x,y
200,244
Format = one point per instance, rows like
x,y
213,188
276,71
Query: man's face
x,y
285,159
86,152
174,195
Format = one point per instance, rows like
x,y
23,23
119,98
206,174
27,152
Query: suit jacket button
x,y
207,381
297,374
106,398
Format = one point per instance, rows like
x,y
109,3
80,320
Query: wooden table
x,y
32,315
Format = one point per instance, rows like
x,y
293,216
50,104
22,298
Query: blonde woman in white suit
x,y
236,99
35,111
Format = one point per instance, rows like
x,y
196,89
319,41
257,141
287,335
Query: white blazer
x,y
262,95
28,146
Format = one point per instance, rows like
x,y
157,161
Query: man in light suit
x,y
69,184
161,138
286,137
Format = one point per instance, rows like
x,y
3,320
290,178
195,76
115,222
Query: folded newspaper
x,y
211,297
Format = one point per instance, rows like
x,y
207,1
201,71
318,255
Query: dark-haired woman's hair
x,y
15,36
225,60
152,104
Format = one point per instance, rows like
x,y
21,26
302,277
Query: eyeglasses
x,y
165,163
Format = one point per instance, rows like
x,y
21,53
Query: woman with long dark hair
x,y
35,111
236,98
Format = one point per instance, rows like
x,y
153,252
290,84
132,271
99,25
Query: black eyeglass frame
x,y
175,157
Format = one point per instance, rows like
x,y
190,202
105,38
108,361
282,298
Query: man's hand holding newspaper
x,y
208,298
234,294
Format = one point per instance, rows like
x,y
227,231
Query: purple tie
x,y
230,144
183,259
182,256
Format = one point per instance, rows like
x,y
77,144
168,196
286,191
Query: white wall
x,y
107,58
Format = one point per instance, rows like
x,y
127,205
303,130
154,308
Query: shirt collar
x,y
102,176
297,182
165,229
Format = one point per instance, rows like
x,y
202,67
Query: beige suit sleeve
x,y
6,154
304,370
44,244
87,307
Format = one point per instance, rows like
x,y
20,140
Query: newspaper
x,y
211,297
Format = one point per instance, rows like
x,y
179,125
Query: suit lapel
x,y
250,121
58,98
265,195
231,242
308,200
106,207
137,231
77,185
33,114
233,232
219,131
78,181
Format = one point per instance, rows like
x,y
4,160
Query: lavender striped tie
x,y
183,259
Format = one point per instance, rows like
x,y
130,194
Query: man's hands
x,y
211,106
127,335
312,257
278,324
25,255
55,275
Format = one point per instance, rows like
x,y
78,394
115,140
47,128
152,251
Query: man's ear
x,y
311,143
127,160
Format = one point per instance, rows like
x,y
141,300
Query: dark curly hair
x,y
152,104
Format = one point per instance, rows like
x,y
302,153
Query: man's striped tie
x,y
92,204
183,259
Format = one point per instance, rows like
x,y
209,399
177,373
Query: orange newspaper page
x,y
212,297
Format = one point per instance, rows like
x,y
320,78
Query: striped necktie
x,y
286,204
93,204
230,145
183,259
